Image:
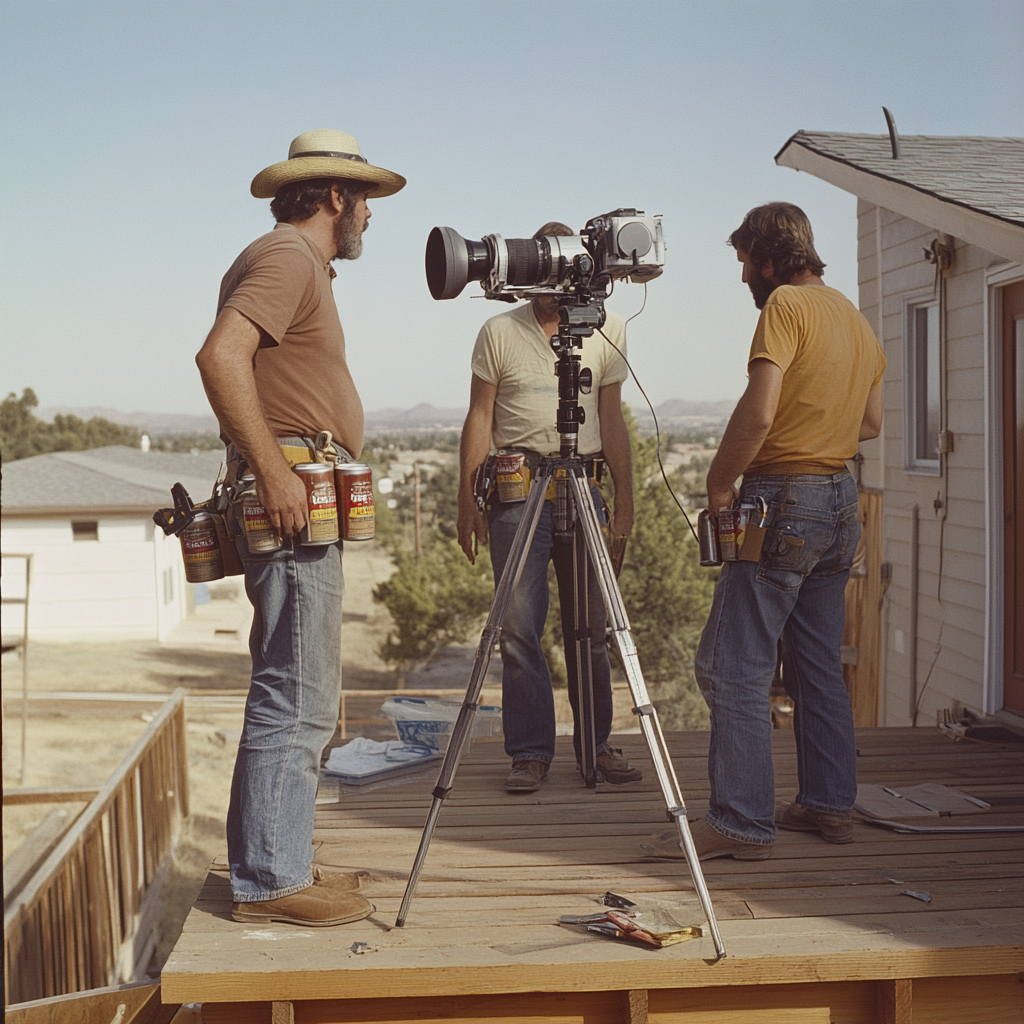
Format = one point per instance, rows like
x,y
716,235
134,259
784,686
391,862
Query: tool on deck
x,y
576,520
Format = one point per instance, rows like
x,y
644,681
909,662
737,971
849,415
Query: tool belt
x,y
505,476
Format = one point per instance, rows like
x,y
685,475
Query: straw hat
x,y
324,153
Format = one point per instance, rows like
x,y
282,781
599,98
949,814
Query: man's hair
x,y
299,200
553,227
779,232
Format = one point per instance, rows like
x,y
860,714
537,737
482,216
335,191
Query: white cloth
x,y
514,354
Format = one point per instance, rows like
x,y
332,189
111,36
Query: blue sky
x,y
131,132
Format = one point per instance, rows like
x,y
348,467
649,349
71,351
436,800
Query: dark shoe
x,y
526,776
616,769
314,907
709,844
833,828
339,881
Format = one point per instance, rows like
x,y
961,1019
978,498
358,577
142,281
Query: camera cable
x,y
657,430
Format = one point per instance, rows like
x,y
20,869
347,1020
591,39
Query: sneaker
x,y
833,828
313,907
708,843
339,881
526,776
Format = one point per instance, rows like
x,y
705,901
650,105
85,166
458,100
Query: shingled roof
x,y
970,186
110,480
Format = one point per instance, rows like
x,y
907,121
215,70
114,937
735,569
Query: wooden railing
x,y
86,918
862,631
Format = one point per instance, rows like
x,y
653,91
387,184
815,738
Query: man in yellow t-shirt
x,y
814,392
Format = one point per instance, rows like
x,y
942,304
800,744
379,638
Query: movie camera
x,y
620,244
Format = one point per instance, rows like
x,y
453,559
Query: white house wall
x,y
951,624
109,588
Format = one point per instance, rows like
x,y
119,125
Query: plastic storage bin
x,y
430,721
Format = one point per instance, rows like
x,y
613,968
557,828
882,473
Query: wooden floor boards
x,y
503,868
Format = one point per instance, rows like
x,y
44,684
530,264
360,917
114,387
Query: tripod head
x,y
580,313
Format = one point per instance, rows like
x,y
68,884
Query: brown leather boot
x,y
833,828
709,844
314,907
339,881
526,776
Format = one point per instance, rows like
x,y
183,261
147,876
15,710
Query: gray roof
x,y
106,478
979,172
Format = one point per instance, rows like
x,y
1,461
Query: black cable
x,y
657,430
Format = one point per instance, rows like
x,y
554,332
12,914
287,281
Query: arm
x,y
473,449
225,364
615,444
748,427
871,425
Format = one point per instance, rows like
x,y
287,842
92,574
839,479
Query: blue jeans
x,y
290,715
795,593
527,703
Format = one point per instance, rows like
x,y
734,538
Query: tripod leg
x,y
643,708
488,638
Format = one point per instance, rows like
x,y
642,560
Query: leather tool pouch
x,y
753,542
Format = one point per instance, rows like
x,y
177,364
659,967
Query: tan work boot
x,y
616,769
708,843
833,828
526,776
314,907
339,881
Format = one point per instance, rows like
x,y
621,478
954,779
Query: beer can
x,y
511,475
260,536
731,524
321,503
354,483
200,550
707,538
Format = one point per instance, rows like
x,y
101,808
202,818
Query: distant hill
x,y
155,423
420,417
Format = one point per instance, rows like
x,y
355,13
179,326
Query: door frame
x,y
995,584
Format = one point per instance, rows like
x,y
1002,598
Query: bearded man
x,y
275,372
815,376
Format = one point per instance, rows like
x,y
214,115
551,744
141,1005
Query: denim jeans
x,y
527,703
290,715
795,593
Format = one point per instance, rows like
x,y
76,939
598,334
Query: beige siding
x,y
952,568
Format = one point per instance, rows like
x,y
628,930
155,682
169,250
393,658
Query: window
x,y
922,388
85,531
168,586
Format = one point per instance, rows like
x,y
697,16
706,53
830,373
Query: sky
x,y
131,132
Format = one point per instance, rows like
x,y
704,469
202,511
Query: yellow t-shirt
x,y
830,360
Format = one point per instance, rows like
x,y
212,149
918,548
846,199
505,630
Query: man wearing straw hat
x,y
275,372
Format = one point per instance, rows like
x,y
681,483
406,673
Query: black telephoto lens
x,y
452,261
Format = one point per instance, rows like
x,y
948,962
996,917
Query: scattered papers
x,y
928,800
364,760
924,897
645,922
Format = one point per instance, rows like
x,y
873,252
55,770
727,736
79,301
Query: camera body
x,y
622,244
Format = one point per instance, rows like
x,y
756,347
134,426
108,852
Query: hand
x,y
471,524
620,522
719,498
283,495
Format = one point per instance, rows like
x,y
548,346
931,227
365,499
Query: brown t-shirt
x,y
283,285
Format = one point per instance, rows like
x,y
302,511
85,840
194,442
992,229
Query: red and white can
x,y
731,524
200,550
321,503
356,513
260,536
511,475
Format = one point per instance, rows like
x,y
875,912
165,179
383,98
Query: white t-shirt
x,y
514,354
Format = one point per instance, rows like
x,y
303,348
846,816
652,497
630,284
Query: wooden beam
x,y
63,795
636,1006
100,1004
895,1001
34,849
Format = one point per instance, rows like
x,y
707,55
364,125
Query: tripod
x,y
574,516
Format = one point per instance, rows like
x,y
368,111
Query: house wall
x,y
952,550
128,583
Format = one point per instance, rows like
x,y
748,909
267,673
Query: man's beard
x,y
348,237
760,287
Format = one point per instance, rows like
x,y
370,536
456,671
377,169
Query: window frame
x,y
912,462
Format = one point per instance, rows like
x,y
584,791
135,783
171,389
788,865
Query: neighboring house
x,y
101,569
941,260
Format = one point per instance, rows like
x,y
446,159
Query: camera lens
x,y
452,261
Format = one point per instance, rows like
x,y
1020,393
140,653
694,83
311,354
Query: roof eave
x,y
991,233
67,511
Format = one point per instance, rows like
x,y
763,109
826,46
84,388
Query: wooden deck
x,y
818,933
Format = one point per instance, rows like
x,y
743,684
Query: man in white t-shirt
x,y
513,404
